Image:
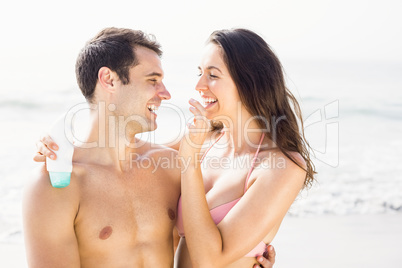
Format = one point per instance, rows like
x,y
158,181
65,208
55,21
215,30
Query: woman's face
x,y
216,87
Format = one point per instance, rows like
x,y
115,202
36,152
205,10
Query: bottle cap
x,y
60,179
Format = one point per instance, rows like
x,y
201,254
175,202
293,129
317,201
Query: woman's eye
x,y
210,75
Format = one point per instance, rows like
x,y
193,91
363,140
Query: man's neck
x,y
106,144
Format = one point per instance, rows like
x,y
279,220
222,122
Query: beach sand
x,y
12,255
352,241
356,241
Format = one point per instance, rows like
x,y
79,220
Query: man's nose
x,y
163,93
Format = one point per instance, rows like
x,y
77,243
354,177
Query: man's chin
x,y
151,127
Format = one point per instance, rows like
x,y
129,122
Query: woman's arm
x,y
261,208
46,147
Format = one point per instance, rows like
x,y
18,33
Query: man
x,y
115,212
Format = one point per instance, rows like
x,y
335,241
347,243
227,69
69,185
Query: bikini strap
x,y
203,156
253,162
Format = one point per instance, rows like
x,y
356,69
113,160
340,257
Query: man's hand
x,y
268,259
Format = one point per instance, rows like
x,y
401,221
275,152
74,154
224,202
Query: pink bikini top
x,y
218,213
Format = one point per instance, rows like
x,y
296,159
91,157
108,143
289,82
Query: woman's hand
x,y
197,132
268,260
201,125
45,147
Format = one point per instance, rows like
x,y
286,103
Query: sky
x,y
41,39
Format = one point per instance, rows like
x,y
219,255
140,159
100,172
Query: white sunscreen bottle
x,y
61,168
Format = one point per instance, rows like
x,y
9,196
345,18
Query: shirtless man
x,y
114,213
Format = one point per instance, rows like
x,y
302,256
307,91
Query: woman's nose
x,y
202,84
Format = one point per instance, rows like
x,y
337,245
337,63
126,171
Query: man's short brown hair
x,y
113,48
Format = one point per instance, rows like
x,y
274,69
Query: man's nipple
x,y
105,233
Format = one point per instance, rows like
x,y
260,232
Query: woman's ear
x,y
107,79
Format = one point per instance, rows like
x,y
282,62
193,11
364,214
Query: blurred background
x,y
343,62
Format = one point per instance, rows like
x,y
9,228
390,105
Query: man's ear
x,y
107,78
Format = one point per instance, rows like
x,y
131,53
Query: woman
x,y
229,212
234,199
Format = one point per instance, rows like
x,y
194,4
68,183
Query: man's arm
x,y
48,219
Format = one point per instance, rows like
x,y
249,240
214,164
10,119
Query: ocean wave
x,y
391,112
25,104
40,101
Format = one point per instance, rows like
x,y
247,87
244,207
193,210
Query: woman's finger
x,y
38,157
47,140
198,117
42,148
271,254
264,262
268,258
194,111
198,106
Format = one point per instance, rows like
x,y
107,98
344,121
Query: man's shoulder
x,y
161,150
39,180
48,218
153,149
39,187
164,160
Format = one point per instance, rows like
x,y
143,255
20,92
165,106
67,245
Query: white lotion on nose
x,y
61,168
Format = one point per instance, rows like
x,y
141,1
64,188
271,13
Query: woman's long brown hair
x,y
258,76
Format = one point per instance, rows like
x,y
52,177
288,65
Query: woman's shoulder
x,y
274,167
275,159
298,158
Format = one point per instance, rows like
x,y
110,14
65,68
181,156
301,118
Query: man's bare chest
x,y
125,210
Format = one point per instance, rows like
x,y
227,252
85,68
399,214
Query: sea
x,y
352,114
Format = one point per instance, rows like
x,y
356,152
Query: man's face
x,y
143,95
